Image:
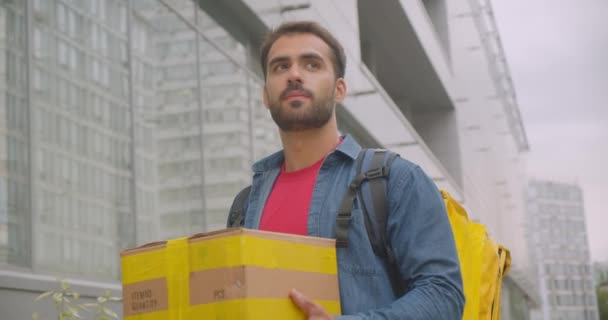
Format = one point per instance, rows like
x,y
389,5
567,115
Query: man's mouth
x,y
294,95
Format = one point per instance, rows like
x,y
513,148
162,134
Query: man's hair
x,y
289,28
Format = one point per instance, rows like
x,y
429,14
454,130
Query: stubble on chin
x,y
296,104
293,118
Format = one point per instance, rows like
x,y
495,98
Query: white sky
x,y
558,54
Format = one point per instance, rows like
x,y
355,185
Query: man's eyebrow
x,y
278,59
311,56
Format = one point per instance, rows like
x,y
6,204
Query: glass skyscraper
x,y
119,127
558,238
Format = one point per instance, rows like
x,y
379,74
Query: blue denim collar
x,y
349,147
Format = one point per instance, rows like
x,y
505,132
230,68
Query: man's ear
x,y
265,95
340,91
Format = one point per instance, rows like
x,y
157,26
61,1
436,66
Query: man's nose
x,y
294,74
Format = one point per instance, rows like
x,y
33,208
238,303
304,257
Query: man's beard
x,y
294,119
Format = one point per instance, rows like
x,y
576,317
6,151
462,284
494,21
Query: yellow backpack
x,y
483,263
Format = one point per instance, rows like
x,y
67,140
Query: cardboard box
x,y
228,274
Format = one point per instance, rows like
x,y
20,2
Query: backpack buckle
x,y
342,222
376,173
344,217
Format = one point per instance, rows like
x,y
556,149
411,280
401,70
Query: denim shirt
x,y
417,229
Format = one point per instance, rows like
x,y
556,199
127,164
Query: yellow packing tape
x,y
256,309
177,278
144,266
267,253
170,263
158,315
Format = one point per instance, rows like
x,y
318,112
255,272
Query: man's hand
x,y
313,310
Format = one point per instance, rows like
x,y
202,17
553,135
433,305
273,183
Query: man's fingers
x,y
302,301
309,307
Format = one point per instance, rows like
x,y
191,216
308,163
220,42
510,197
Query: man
x,y
299,189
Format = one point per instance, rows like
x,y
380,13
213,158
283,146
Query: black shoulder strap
x,y
378,190
345,212
236,217
379,199
373,171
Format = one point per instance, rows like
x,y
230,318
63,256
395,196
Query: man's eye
x,y
280,67
313,65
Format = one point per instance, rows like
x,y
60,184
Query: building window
x,y
62,53
73,24
103,42
62,20
102,9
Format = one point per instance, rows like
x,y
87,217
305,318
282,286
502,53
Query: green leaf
x,y
76,295
64,284
44,295
35,316
102,299
82,307
74,312
91,305
115,298
110,313
57,296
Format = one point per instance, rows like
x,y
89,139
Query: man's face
x,y
301,89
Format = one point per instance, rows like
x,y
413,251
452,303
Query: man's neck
x,y
304,148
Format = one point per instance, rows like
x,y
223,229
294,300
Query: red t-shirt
x,y
288,204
